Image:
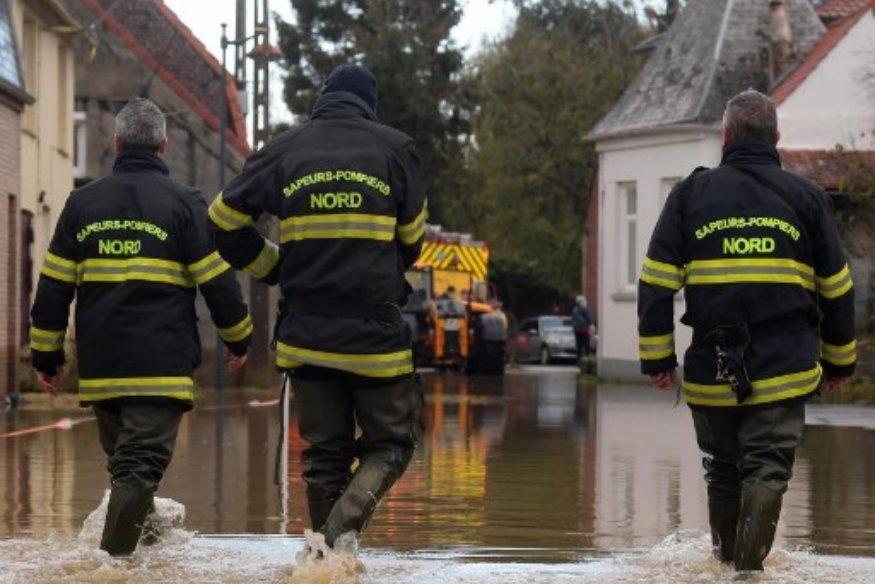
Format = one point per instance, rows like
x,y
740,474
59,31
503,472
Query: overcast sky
x,y
482,19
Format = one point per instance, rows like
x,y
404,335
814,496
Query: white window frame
x,y
628,262
666,185
80,136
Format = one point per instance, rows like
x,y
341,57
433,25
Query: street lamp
x,y
265,52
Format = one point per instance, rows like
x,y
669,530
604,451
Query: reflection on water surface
x,y
536,468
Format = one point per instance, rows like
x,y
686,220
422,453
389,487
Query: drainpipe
x,y
783,50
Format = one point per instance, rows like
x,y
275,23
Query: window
x,y
26,259
30,46
628,216
64,103
665,187
80,136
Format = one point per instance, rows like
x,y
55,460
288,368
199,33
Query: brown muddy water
x,y
535,478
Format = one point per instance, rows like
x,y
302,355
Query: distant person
x,y
582,323
348,191
132,247
771,303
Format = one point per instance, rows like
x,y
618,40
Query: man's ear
x,y
162,146
118,145
777,137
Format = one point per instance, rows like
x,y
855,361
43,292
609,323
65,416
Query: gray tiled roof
x,y
713,50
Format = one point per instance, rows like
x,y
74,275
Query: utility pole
x,y
259,369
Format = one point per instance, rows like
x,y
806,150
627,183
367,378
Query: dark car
x,y
543,339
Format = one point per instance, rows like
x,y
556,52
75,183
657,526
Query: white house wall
x,y
835,104
648,161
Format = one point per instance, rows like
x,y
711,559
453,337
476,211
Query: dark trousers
x,y
138,439
748,463
582,341
389,417
747,445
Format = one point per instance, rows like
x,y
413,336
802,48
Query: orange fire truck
x,y
453,311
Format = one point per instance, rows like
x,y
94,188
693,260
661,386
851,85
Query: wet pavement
x,y
537,477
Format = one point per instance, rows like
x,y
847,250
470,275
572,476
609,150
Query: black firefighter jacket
x,y
349,196
132,247
755,245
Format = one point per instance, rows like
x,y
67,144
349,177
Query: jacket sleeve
x,y
234,212
412,212
55,291
662,276
215,280
835,292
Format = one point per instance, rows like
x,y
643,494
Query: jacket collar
x,y
138,159
750,152
342,105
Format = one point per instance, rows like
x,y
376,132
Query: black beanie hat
x,y
354,79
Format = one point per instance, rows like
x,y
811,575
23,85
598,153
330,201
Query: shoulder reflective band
x,y
409,233
750,271
238,332
839,354
59,268
46,340
208,268
227,218
655,348
662,274
835,285
764,390
338,226
378,365
265,261
109,388
150,270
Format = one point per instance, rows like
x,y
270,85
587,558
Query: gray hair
x,y
750,115
141,123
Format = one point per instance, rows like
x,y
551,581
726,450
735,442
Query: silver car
x,y
543,339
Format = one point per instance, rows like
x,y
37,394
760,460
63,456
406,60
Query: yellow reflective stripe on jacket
x,y
654,348
238,332
839,354
662,274
835,285
148,269
409,233
227,218
764,390
59,268
338,226
46,340
109,388
377,365
265,261
208,268
750,270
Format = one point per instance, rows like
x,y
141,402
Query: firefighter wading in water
x,y
133,247
348,193
770,300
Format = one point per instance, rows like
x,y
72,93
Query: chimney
x,y
783,50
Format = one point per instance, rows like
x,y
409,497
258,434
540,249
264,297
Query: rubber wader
x,y
760,508
354,508
723,513
125,515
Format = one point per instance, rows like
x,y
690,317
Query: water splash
x,y
166,522
317,563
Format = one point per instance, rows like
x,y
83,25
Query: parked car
x,y
542,340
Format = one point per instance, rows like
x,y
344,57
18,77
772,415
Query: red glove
x,y
665,380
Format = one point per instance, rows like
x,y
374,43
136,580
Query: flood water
x,y
536,477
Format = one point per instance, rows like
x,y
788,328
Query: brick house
x,y
142,49
13,99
